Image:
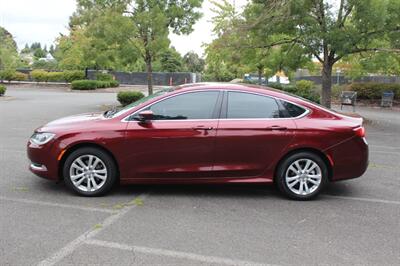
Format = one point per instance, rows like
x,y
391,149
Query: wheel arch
x,y
321,154
77,146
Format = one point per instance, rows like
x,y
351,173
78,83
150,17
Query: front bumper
x,y
44,160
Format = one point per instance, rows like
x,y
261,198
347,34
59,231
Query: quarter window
x,y
247,105
292,110
194,105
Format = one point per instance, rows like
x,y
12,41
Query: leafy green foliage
x,y
55,76
193,63
93,84
44,64
10,75
84,84
18,76
9,58
171,61
2,90
302,88
71,75
104,76
128,97
373,91
40,75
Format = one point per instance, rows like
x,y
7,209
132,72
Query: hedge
x,y
92,84
84,84
71,75
373,91
39,75
128,97
104,77
2,90
12,75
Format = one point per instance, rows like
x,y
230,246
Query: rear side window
x,y
248,105
291,110
194,105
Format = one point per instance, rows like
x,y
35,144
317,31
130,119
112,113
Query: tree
x,y
193,62
154,19
9,58
329,33
98,38
150,23
171,61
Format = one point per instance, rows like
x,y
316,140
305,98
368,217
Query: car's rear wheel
x,y
89,172
302,175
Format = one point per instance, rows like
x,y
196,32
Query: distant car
x,y
204,133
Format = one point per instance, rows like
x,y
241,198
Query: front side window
x,y
248,105
193,105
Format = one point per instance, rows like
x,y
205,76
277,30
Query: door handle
x,y
202,128
276,128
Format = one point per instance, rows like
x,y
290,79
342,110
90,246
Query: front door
x,y
180,139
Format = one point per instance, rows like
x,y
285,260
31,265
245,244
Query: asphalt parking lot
x,y
355,222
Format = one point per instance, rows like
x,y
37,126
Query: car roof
x,y
238,86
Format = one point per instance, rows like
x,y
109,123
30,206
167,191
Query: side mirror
x,y
145,116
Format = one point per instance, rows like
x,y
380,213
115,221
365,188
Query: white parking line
x,y
79,241
173,253
45,203
385,152
363,199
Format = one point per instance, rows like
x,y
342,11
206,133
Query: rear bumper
x,y
350,158
43,160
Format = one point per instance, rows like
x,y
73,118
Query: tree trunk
x,y
149,69
326,84
260,70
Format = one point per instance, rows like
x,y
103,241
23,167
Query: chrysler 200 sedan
x,y
204,133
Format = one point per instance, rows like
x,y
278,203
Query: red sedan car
x,y
204,133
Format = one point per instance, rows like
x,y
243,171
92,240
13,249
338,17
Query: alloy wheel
x,y
303,177
88,173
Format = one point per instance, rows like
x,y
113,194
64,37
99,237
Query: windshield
x,y
126,108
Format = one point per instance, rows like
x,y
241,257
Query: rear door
x,y
251,135
179,141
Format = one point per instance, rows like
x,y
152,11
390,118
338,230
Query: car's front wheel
x,y
302,175
89,171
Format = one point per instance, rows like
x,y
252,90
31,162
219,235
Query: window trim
x,y
215,114
221,107
224,111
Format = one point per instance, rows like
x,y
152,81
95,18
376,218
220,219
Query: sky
x,y
43,20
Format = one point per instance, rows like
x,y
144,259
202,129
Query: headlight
x,y
41,138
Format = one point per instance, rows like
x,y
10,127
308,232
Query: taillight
x,y
360,131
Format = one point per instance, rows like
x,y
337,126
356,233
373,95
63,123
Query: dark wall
x,y
159,78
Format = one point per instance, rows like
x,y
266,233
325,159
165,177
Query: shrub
x,y
104,76
127,97
84,84
71,75
39,75
114,83
304,85
303,88
19,76
373,91
55,76
7,74
2,90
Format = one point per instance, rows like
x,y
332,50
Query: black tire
x,y
109,165
287,162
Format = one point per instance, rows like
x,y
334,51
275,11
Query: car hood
x,y
72,121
